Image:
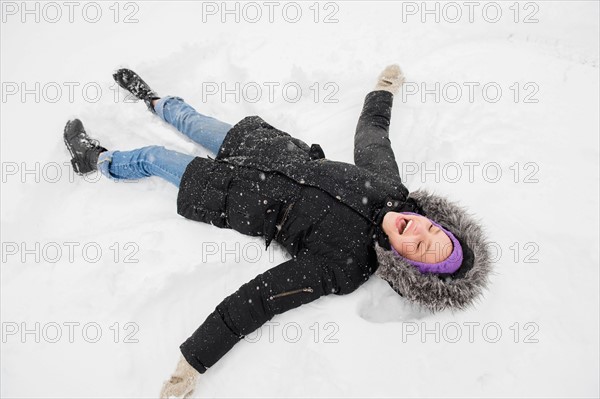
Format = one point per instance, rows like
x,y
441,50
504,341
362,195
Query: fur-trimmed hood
x,y
438,292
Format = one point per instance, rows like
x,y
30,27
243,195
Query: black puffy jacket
x,y
326,214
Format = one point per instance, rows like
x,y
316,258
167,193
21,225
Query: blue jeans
x,y
159,161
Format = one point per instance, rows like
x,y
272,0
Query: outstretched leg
x,y
144,162
204,130
88,156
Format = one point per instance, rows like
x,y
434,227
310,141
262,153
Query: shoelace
x,y
86,140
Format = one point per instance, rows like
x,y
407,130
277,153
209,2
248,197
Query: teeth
x,y
407,224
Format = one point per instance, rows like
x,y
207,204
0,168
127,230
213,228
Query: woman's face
x,y
416,238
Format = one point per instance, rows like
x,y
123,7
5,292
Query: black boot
x,y
131,82
84,150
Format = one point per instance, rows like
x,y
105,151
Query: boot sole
x,y
117,78
66,139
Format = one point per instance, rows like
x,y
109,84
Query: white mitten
x,y
390,79
182,382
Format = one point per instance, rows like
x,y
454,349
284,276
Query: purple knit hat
x,y
450,265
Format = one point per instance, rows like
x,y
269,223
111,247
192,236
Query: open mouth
x,y
403,225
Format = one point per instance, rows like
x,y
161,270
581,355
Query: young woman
x,y
340,222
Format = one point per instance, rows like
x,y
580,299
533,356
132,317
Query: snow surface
x,y
171,289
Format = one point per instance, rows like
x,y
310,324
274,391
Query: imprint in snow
x,y
368,184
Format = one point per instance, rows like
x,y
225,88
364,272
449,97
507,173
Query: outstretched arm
x,y
372,146
287,286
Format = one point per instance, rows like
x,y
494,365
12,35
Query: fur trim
x,y
437,292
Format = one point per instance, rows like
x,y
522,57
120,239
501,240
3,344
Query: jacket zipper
x,y
307,289
280,225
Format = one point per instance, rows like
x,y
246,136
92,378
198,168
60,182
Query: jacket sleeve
x,y
287,286
372,146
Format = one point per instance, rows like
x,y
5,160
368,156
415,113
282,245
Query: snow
x,y
163,274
